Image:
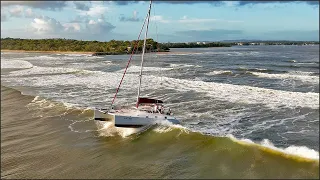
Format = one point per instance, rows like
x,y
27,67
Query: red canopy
x,y
148,101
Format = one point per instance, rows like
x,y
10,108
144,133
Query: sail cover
x,y
147,101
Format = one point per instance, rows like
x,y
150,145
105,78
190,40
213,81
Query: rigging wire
x,y
143,52
158,48
133,50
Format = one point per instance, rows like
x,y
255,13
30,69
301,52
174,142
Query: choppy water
x,y
246,112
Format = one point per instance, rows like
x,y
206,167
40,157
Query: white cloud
x,y
79,19
45,24
50,5
99,27
96,10
81,6
51,27
231,3
234,21
185,19
28,13
159,19
46,27
134,18
72,27
135,14
16,11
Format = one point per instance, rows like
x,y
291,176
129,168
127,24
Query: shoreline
x,y
82,52
49,52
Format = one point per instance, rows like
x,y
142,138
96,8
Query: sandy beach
x,y
82,52
50,52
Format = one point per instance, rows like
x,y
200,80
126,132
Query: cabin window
x,y
147,116
165,117
156,116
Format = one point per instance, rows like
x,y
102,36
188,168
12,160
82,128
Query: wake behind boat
x,y
147,111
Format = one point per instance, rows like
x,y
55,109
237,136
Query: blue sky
x,y
174,21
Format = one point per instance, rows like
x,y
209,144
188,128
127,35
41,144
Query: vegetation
x,y
235,43
121,47
111,47
248,43
197,45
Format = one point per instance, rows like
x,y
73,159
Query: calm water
x,y
246,112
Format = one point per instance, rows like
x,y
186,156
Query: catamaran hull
x,y
103,116
134,121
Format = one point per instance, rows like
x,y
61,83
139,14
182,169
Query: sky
x,y
170,21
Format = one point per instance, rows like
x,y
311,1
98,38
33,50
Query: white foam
x,y
246,94
219,91
301,151
161,128
303,76
183,65
15,64
301,73
218,72
136,69
43,71
179,54
85,65
43,57
261,69
76,55
35,99
271,123
61,57
308,63
108,129
42,103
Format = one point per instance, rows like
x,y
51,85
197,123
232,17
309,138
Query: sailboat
x,y
147,111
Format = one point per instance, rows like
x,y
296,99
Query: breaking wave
x,y
305,77
226,92
15,64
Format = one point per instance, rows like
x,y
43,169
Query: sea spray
x,y
300,151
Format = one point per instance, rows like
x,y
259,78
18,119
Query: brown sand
x,y
81,52
50,52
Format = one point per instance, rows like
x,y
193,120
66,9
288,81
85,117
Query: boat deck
x,y
141,112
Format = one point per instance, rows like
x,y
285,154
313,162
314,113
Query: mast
x,y
143,51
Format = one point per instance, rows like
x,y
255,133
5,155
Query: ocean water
x,y
246,112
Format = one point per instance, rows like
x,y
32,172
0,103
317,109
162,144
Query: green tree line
x,y
113,46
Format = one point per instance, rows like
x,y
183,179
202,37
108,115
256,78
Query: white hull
x,y
133,118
